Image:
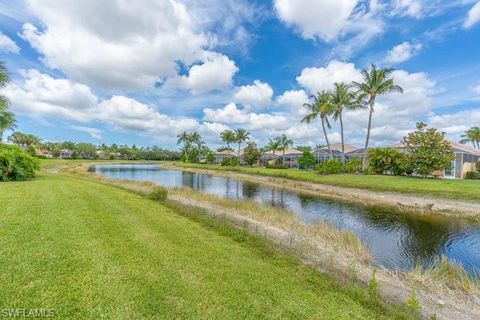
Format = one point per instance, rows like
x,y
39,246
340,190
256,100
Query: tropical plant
x,y
428,150
333,166
24,140
284,143
15,164
241,135
386,160
376,82
321,107
251,154
228,137
353,165
273,145
306,160
472,135
7,118
344,99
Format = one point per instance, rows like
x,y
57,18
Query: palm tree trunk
x,y
283,157
238,154
343,140
326,139
364,160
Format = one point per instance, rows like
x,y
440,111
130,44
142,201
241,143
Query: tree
x,y
251,153
24,140
343,99
284,142
7,118
184,138
228,137
321,107
306,160
241,135
381,160
273,145
376,82
428,150
471,135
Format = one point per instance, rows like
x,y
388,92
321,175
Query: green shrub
x,y
472,175
229,161
16,164
159,193
353,165
333,166
477,166
386,160
276,166
306,160
251,154
210,157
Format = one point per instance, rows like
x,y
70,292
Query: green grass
x,y
92,251
441,188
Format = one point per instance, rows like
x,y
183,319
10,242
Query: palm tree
x,y
273,145
7,118
24,140
184,138
321,107
471,135
241,135
227,136
375,83
284,142
344,99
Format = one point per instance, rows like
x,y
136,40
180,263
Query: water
x,y
396,241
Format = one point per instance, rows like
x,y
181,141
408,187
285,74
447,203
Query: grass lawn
x,y
442,188
92,251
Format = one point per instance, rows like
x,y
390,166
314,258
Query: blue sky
x,y
142,72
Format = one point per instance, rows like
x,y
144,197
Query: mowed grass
x,y
91,251
442,188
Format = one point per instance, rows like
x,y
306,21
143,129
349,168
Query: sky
x,y
140,72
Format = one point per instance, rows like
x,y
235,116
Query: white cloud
x,y
455,124
42,94
115,43
412,8
402,52
294,100
258,95
7,45
473,16
93,132
318,79
316,18
475,89
216,72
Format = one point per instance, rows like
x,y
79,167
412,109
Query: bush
x,y
386,160
306,160
159,193
251,154
229,162
333,166
477,166
472,175
16,164
353,165
210,157
276,166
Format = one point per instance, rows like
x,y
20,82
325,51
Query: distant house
x,y
43,152
322,154
65,154
291,157
220,155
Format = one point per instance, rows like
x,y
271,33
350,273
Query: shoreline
x,y
399,202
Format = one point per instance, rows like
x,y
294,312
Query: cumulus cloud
x,y
258,95
473,16
318,79
402,52
215,72
475,89
93,132
316,18
40,93
7,45
294,100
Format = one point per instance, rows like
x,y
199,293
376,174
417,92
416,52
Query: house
x,y
290,158
220,155
65,154
322,154
43,152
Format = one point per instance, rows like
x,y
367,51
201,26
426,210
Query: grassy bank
x,y
88,250
442,188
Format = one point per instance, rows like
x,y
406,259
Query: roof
x,y
458,147
338,147
226,153
291,151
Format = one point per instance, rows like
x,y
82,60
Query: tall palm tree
x,y
375,83
322,107
24,140
228,137
284,142
471,135
343,99
7,118
241,135
184,138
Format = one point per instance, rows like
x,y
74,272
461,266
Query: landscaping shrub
x,y
210,157
229,162
333,166
306,160
386,160
16,164
353,165
477,166
159,193
472,175
251,154
276,166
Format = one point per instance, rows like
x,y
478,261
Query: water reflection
x,y
395,240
